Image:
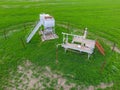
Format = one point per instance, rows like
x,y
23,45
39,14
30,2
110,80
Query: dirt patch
x,y
104,85
100,86
29,76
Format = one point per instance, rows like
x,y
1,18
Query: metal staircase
x,y
34,31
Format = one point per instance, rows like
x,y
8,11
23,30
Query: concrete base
x,y
48,36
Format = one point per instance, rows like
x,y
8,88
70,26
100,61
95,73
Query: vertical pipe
x,y
103,66
5,36
56,55
85,33
114,45
23,44
67,39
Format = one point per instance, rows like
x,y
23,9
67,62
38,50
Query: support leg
x,y
89,55
65,50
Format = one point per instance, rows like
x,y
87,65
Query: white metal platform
x,y
78,47
78,43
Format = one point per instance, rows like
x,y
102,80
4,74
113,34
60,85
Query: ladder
x,y
100,48
34,31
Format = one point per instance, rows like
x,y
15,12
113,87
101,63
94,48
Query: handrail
x,y
71,34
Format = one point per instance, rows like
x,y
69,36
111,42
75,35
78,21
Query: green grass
x,y
101,18
98,16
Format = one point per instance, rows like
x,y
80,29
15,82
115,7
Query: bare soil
x,y
29,76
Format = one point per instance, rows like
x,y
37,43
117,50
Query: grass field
x,y
74,70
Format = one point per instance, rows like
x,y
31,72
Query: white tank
x,y
47,20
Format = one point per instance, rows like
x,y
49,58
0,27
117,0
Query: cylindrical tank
x,y
47,20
